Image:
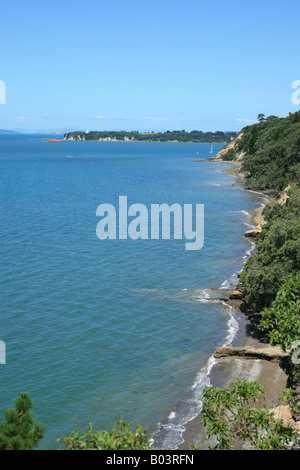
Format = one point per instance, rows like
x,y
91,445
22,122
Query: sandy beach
x,y
228,369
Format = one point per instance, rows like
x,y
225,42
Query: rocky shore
x,y
250,357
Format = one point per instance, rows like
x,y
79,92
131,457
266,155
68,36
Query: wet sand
x,y
228,369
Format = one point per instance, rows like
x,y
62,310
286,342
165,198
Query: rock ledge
x,y
269,354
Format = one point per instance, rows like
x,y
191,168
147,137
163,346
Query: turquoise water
x,y
96,330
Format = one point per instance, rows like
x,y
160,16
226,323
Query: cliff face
x,y
71,137
231,151
270,153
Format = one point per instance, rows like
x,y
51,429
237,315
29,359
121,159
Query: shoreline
x,y
227,369
145,142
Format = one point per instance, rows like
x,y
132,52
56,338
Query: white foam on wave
x,y
173,430
230,282
204,295
171,434
248,252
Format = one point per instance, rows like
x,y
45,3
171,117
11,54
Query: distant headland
x,y
168,136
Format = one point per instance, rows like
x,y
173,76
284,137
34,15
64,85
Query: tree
x,y
271,153
282,320
281,323
277,253
261,118
120,438
19,431
229,415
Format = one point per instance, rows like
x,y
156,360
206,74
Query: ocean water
x,y
96,330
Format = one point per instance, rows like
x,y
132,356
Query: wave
x,y
170,435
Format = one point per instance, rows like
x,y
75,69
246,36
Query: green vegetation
x,y
292,370
120,438
281,323
168,136
19,431
271,162
272,152
277,256
230,415
271,280
230,155
271,277
282,320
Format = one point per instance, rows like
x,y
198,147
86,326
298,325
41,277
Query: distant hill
x,y
168,136
3,131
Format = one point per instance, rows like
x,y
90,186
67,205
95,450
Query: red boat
x,y
54,140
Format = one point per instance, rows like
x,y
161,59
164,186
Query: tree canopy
x,y
277,252
168,136
19,431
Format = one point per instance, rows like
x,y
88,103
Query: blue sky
x,y
147,65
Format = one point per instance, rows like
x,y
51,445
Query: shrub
x,y
282,320
229,415
120,438
277,253
19,431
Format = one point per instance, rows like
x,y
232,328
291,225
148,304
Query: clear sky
x,y
147,65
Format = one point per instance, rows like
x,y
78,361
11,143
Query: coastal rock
x,y
213,299
269,354
254,232
236,295
283,413
284,197
231,146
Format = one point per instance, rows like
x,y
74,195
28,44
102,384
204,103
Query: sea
x,y
96,330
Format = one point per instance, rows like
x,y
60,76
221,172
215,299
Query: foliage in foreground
x,y
120,438
281,323
229,415
18,431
